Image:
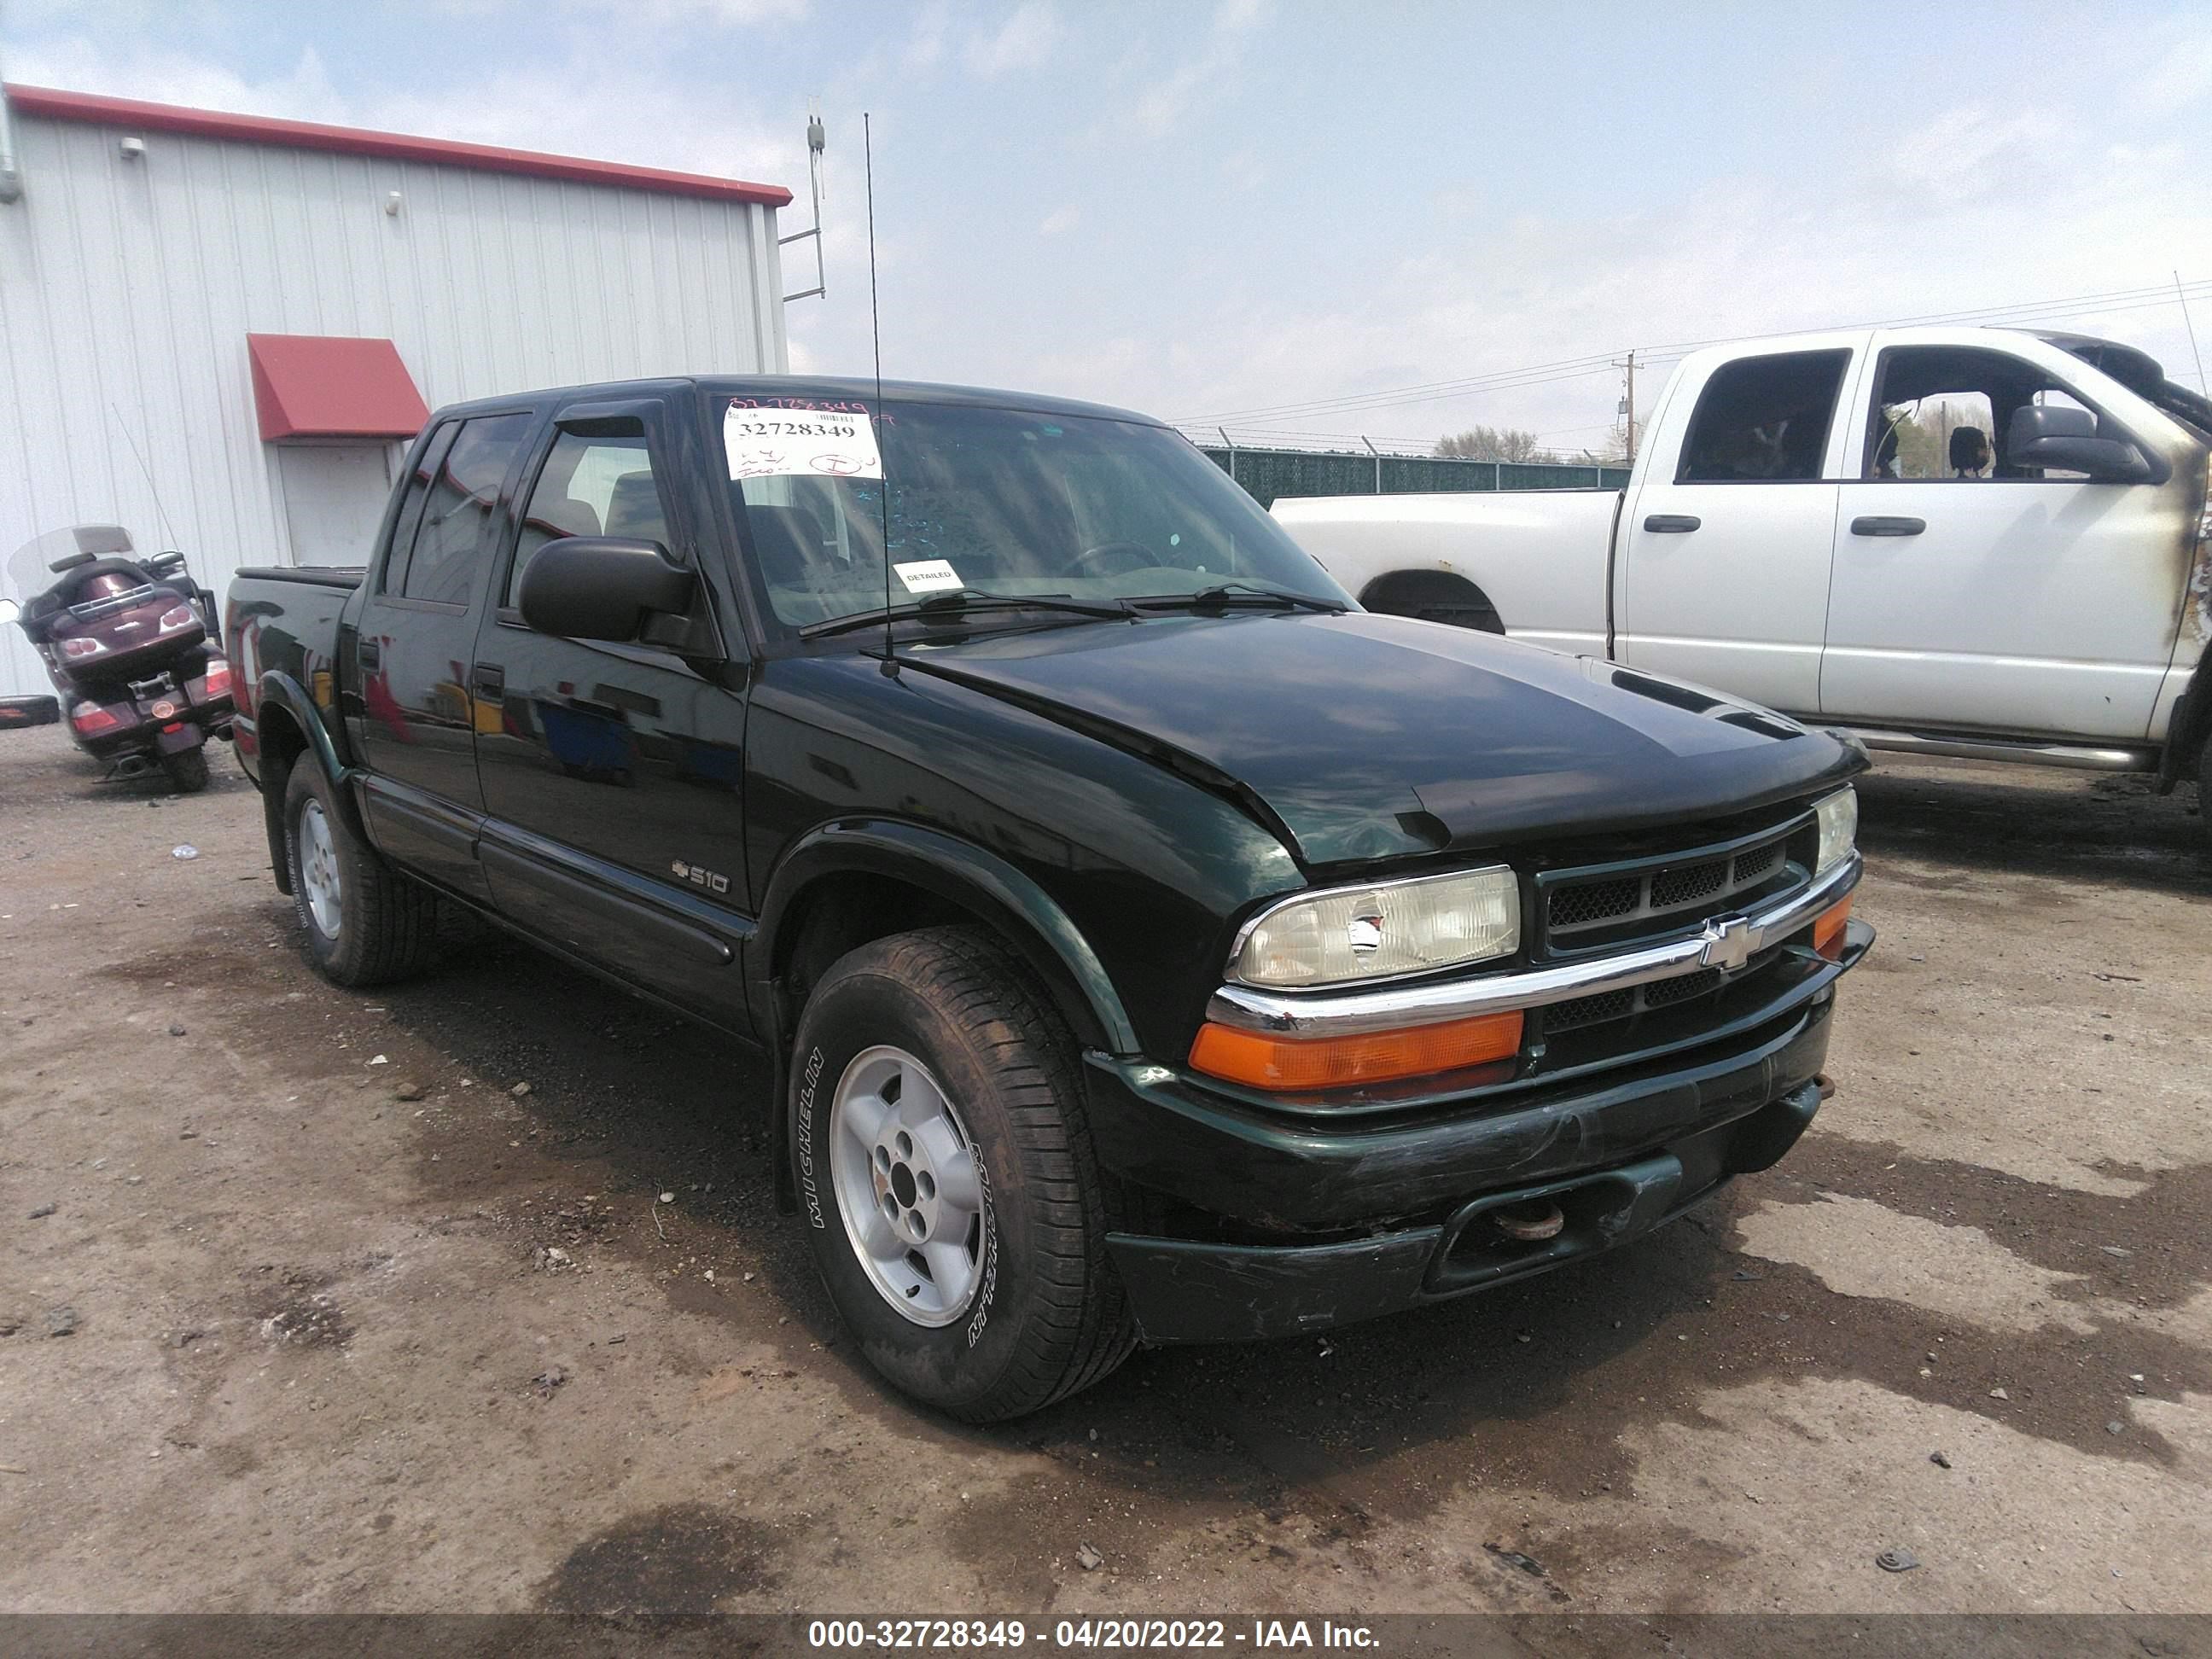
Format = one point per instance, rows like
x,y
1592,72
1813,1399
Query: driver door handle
x,y
1671,523
371,653
1875,524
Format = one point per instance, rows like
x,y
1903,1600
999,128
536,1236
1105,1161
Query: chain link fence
x,y
1268,474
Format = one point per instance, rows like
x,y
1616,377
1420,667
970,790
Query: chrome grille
x,y
1652,897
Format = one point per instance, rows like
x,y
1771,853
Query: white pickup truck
x,y
1957,541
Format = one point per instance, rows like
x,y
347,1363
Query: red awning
x,y
318,385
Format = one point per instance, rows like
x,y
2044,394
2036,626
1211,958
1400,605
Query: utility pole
x,y
2179,293
1631,402
1378,455
1626,408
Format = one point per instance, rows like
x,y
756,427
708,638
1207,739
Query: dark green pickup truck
x,y
1153,946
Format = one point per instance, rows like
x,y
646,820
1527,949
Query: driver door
x,y
2008,598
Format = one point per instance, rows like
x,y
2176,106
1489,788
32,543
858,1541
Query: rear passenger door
x,y
1724,548
415,727
613,774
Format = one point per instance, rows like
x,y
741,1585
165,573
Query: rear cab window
x,y
1763,420
444,535
409,517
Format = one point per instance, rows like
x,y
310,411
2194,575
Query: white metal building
x,y
219,331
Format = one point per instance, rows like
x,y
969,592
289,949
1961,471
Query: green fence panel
x,y
1268,474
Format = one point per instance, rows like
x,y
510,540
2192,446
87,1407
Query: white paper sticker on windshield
x,y
781,443
928,575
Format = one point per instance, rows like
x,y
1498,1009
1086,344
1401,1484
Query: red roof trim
x,y
329,385
58,105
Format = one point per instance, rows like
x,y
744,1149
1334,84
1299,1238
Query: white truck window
x,y
1763,420
1940,413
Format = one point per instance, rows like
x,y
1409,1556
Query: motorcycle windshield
x,y
30,566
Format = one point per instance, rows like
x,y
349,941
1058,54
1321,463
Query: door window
x,y
1763,420
1942,412
595,486
454,538
403,527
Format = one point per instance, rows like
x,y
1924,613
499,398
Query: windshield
x,y
29,567
991,501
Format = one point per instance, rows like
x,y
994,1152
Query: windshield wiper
x,y
1225,594
958,601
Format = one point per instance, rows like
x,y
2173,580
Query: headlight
x,y
1352,933
1840,829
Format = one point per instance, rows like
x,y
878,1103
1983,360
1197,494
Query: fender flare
x,y
276,687
953,869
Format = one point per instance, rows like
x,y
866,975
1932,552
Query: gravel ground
x,y
354,1320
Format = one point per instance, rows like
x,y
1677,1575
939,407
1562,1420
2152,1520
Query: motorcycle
x,y
134,648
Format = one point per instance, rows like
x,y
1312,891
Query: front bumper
x,y
1397,1208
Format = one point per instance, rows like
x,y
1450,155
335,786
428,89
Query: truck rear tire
x,y
953,1202
2204,790
365,922
1433,596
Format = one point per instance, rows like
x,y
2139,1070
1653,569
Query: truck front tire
x,y
365,922
946,1177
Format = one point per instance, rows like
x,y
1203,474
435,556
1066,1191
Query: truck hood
x,y
1361,736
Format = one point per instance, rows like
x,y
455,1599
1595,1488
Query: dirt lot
x,y
334,1347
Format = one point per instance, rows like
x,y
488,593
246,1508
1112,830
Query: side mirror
x,y
2040,436
601,588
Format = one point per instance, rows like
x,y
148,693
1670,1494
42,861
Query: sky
x,y
1310,222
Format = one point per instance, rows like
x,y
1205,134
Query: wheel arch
x,y
847,883
1418,593
287,727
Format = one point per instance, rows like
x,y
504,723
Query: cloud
x,y
726,14
1742,256
932,28
632,117
303,93
1024,41
1060,221
1160,111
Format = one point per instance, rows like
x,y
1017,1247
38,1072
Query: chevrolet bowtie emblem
x,y
1727,944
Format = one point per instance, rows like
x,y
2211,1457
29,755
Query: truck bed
x,y
1539,556
283,620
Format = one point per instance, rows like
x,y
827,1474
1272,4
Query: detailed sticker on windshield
x,y
928,575
781,443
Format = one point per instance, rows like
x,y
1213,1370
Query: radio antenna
x,y
876,340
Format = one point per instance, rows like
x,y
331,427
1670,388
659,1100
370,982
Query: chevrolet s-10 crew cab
x,y
1977,542
1151,945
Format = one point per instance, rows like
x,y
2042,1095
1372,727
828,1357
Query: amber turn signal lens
x,y
1828,930
1297,1064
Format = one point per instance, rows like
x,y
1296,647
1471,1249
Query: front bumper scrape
x,y
1185,1290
